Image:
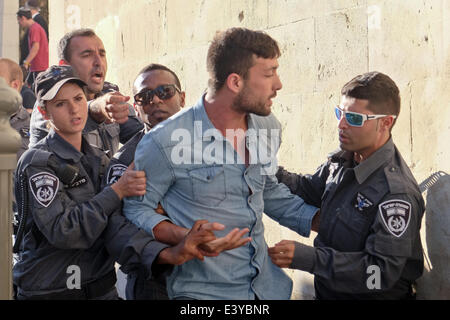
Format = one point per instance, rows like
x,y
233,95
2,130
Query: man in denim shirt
x,y
213,161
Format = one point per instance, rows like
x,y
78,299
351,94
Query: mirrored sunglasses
x,y
356,119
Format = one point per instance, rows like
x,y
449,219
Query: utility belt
x,y
88,291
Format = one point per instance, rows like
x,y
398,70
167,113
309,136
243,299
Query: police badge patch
x,y
44,187
396,215
115,172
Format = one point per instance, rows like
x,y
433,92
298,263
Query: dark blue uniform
x,y
71,222
370,217
139,285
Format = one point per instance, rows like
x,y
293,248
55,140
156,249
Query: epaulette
x,y
395,179
36,157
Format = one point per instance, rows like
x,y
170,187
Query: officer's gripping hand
x,y
131,183
282,253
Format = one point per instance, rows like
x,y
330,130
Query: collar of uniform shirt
x,y
376,160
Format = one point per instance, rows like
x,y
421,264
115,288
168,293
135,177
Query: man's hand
x,y
131,183
231,241
188,248
282,253
111,107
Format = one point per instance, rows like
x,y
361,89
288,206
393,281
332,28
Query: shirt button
x,y
392,169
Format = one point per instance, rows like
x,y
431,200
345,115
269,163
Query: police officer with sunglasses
x,y
368,245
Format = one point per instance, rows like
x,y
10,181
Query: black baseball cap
x,y
48,82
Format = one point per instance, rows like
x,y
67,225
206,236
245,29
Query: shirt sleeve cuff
x,y
110,201
303,257
150,256
305,221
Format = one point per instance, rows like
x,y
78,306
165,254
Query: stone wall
x,y
324,43
9,29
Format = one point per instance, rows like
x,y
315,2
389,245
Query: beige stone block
x,y
195,24
401,132
282,12
341,48
406,38
190,66
309,130
252,14
430,106
297,67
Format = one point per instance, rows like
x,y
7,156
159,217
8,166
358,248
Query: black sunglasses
x,y
164,92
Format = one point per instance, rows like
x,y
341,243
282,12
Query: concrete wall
x,y
324,44
9,30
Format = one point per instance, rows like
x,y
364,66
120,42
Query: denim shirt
x,y
192,181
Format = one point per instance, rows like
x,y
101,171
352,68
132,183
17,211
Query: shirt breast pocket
x,y
350,231
208,185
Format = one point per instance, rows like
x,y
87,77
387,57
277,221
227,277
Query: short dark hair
x,y
232,51
378,88
24,12
33,4
64,44
155,66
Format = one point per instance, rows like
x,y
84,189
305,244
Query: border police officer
x,y
71,231
368,245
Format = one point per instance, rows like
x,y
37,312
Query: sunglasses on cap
x,y
163,92
356,119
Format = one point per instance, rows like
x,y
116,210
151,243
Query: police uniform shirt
x,y
71,225
20,121
370,220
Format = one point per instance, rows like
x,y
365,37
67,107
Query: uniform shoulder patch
x,y
44,187
115,172
396,215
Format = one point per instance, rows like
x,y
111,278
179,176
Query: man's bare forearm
x,y
169,233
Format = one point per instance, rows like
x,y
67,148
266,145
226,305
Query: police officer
x,y
111,120
368,244
20,120
71,231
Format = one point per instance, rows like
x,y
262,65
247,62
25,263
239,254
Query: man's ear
x,y
182,99
387,123
63,62
16,84
43,112
234,83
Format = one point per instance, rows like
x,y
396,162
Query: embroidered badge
x,y
361,202
115,172
44,187
396,215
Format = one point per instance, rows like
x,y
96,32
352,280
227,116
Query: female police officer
x,y
63,210
69,227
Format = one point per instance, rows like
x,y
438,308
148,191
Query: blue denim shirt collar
x,y
207,129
